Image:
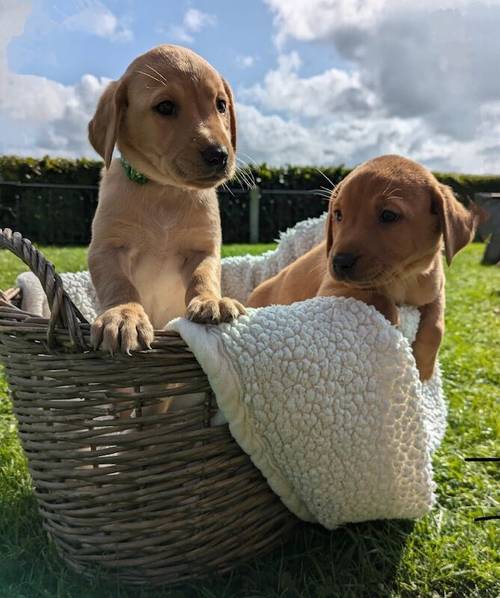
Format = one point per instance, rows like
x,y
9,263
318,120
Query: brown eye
x,y
166,108
337,215
387,216
221,105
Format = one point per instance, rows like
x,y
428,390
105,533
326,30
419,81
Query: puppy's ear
x,y
103,128
458,224
232,113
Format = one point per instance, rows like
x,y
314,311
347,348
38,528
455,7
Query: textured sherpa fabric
x,y
241,274
323,395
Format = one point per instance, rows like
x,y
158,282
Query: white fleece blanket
x,y
323,395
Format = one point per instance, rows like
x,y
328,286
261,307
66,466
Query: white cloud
x,y
39,115
272,139
277,140
245,62
193,22
332,92
422,73
196,20
97,19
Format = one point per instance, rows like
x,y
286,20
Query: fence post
x,y
254,196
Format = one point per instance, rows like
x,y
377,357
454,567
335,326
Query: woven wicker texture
x,y
157,498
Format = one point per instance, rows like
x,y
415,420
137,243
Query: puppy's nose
x,y
344,262
215,155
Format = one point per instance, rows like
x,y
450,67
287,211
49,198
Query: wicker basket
x,y
157,498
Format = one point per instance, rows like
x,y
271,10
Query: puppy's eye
x,y
166,108
337,215
221,105
388,216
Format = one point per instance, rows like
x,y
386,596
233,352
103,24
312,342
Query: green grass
x,y
444,554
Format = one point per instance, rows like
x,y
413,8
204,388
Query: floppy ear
x,y
232,114
103,128
458,224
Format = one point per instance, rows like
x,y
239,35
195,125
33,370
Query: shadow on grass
x,y
354,561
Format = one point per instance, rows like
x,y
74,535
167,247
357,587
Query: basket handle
x,y
63,312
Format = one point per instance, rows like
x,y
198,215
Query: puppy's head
x,y
172,116
387,220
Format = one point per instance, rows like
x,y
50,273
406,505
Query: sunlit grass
x,y
443,554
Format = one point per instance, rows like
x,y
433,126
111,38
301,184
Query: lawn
x,y
446,553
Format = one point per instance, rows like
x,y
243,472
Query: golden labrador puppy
x,y
386,223
155,250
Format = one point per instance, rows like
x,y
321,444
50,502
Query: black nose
x,y
215,155
343,262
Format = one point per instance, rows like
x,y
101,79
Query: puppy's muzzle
x,y
215,156
343,264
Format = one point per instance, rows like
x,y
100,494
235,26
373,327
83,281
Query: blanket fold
x,y
323,395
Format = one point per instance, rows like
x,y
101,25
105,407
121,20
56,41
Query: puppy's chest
x,y
158,275
416,291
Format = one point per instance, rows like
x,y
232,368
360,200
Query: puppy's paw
x,y
212,310
425,365
386,307
123,328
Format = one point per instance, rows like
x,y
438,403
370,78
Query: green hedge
x,y
86,172
50,170
63,216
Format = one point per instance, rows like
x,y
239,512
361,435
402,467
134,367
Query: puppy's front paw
x,y
387,308
122,328
425,364
212,310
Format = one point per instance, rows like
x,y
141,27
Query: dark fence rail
x,y
52,214
49,214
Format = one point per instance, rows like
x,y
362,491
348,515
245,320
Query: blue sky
x,y
238,30
316,81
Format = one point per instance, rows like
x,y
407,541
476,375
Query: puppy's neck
x,y
158,192
420,286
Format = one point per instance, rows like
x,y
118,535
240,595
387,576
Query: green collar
x,y
133,174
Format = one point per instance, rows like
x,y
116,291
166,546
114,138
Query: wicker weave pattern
x,y
157,498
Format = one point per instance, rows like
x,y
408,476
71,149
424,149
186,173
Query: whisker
x,y
162,77
325,177
152,77
247,168
391,192
252,160
247,177
238,179
246,180
225,186
326,190
387,186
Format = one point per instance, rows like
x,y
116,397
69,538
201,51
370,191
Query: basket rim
x,y
14,320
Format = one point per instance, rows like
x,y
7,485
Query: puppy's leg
x,y
123,325
429,336
203,296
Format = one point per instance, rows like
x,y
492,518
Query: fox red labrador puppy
x,y
386,225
